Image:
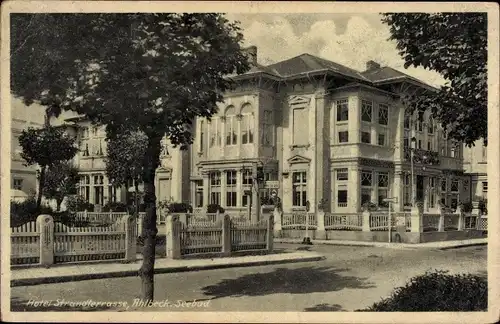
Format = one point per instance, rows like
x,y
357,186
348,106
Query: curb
x,y
133,273
392,246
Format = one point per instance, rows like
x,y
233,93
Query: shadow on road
x,y
283,280
22,305
325,308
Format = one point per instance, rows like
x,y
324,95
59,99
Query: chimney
x,y
252,54
372,65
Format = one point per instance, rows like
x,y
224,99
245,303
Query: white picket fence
x,y
45,242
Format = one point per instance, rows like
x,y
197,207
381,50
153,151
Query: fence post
x,y
460,225
441,219
320,230
416,220
270,233
277,216
46,225
183,218
130,239
366,221
173,242
226,236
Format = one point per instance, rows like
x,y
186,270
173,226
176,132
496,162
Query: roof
x,y
388,74
308,63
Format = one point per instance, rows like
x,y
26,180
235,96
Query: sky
x,y
348,39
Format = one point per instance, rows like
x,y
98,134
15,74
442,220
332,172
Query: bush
x,y
213,208
77,204
26,211
179,208
369,206
68,218
118,207
467,207
437,291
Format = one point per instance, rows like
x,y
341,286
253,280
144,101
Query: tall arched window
x,y
246,124
231,126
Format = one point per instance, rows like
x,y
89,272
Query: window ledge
x,y
306,146
343,122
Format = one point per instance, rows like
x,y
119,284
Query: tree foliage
x,y
454,45
46,147
152,73
125,154
60,181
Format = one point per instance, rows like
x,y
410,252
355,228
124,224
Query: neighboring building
x,y
95,187
23,179
475,167
322,131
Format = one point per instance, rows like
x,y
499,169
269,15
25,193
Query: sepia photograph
x,y
240,161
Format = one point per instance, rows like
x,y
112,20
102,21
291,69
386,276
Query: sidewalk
x,y
77,272
443,245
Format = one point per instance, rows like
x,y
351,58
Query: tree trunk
x,y
41,181
59,202
150,163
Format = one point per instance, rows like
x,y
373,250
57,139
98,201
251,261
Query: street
x,y
350,278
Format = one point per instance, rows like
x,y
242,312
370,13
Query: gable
x,y
296,101
296,159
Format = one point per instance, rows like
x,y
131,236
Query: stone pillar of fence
x,y
226,236
366,221
183,218
270,233
416,220
277,216
441,212
45,223
461,220
320,230
130,226
173,239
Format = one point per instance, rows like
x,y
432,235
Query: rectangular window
x,y
231,137
300,126
419,144
383,114
383,187
381,139
111,193
215,132
366,195
366,178
342,110
247,129
247,177
407,190
429,146
430,126
18,184
342,197
215,187
406,143
268,129
85,187
98,189
342,174
299,183
407,121
343,137
420,121
198,199
231,188
443,185
366,137
366,111
245,200
202,135
485,186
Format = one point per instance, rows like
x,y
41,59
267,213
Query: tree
x,y
152,73
454,45
47,147
125,154
60,181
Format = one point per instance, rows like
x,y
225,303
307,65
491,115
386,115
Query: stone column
x,y
461,220
270,233
320,230
426,193
173,242
239,190
45,223
277,216
206,190
226,236
130,225
416,220
223,182
398,190
366,221
441,219
354,189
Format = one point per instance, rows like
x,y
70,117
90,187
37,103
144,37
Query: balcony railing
x,y
422,156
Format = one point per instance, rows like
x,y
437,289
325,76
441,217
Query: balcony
x,y
422,156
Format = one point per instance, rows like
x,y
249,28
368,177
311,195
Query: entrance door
x,y
420,188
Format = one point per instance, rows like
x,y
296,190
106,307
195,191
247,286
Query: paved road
x,y
349,278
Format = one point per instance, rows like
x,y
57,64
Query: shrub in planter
x,y
117,207
369,206
213,208
437,291
466,207
179,208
